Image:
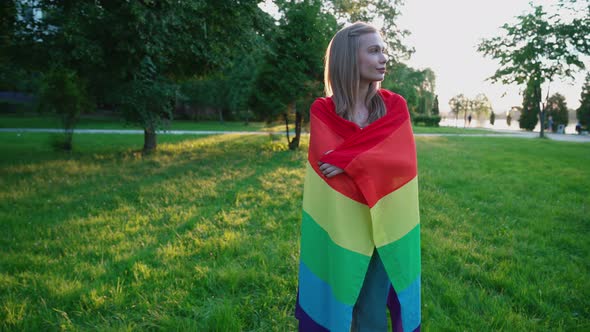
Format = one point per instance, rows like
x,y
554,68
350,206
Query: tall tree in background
x,y
557,109
435,109
293,73
7,29
529,114
14,70
583,112
538,48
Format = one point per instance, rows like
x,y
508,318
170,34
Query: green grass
x,y
203,235
449,130
37,121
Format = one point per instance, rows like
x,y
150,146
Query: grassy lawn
x,y
203,235
21,121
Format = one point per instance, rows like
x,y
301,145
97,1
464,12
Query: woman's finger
x,y
328,170
334,173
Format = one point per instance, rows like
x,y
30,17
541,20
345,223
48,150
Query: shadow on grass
x,y
114,240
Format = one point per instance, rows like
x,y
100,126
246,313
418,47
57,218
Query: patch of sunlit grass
x,y
203,234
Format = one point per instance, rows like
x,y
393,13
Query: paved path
x,y
556,137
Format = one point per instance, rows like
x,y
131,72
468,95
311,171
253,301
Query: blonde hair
x,y
341,73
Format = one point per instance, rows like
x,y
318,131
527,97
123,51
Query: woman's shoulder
x,y
394,103
322,104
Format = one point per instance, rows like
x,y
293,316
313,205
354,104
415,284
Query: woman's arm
x,y
329,170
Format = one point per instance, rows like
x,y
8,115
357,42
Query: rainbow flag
x,y
374,204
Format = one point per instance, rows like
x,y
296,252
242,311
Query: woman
x,y
360,233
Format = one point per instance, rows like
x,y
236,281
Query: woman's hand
x,y
329,170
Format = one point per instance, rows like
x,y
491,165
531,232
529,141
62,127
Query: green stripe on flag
x,y
402,259
342,269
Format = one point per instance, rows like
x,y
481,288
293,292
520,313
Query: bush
x,y
426,120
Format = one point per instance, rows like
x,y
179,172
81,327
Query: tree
x,y
459,104
557,109
381,12
435,109
583,112
293,72
481,105
529,115
7,27
416,86
538,48
127,50
13,76
492,118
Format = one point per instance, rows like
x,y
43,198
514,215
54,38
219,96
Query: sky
x,y
445,35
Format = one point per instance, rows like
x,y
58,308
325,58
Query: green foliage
x,y
62,92
557,108
459,104
383,13
148,99
583,112
481,105
292,73
206,98
416,86
131,52
435,109
426,120
537,49
529,114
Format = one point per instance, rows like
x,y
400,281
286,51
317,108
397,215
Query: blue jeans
x,y
369,313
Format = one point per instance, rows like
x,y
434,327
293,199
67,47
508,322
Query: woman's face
x,y
371,58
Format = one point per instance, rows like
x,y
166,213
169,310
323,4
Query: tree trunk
x,y
286,117
294,144
542,120
542,110
69,135
149,141
69,122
